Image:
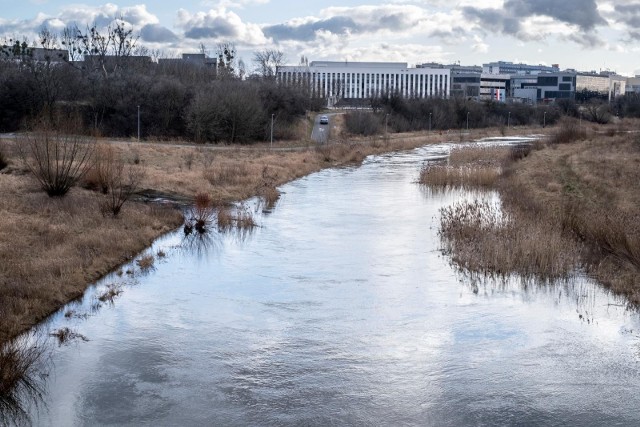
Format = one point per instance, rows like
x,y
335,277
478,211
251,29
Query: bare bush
x,y
568,132
363,123
118,181
56,156
202,212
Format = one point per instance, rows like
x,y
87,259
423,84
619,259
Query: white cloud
x,y
219,25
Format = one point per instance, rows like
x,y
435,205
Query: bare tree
x,y
267,62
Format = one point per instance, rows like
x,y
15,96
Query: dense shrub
x,y
362,123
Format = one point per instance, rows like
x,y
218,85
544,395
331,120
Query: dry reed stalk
x,y
224,218
244,218
146,262
440,176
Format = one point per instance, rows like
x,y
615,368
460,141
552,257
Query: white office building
x,y
361,80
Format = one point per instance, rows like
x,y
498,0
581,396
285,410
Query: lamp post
x,y
509,120
386,124
138,123
467,120
272,130
544,120
429,122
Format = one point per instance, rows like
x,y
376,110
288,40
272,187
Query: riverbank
x,y
53,248
569,207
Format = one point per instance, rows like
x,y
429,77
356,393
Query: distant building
x,y
198,59
40,54
465,79
360,80
560,85
495,87
633,85
503,67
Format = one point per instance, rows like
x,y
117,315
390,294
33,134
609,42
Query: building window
x,y
547,81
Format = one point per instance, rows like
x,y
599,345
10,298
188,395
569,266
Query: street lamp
x,y
467,120
544,120
138,123
429,122
509,120
386,124
271,130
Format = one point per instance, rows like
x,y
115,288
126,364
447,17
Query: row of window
x,y
364,85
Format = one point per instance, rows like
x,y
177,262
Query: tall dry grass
x,y
572,205
442,177
480,236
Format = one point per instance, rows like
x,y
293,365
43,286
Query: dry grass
x,y
111,292
146,262
569,131
443,177
51,249
478,156
244,218
224,218
481,237
568,206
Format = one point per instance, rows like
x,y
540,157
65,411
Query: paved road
x,y
320,133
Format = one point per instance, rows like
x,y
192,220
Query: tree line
x,y
106,76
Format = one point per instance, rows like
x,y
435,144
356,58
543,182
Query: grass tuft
x,y
110,293
146,262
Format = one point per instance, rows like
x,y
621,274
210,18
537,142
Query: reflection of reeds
x,y
66,335
22,371
201,244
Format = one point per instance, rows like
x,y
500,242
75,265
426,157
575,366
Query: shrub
x,y
56,156
567,132
117,180
202,212
361,123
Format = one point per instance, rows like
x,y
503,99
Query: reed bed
x,y
442,177
566,207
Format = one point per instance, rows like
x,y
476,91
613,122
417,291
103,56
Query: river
x,y
339,309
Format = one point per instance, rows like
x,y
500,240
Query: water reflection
x,y
24,367
340,309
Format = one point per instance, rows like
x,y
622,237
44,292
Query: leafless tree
x,y
267,62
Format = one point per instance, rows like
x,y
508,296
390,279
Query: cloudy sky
x,y
581,34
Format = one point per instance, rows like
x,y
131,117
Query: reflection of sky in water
x,y
340,309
